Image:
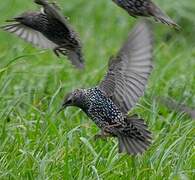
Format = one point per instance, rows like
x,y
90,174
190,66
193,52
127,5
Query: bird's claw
x,y
99,136
107,128
59,51
103,135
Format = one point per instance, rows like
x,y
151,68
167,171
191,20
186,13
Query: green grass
x,y
35,143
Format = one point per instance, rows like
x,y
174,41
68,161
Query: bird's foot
x,y
56,52
107,128
59,51
102,135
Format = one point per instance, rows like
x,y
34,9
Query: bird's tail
x,y
160,16
76,57
135,138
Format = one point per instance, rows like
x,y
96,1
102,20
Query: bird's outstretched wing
x,y
30,35
128,72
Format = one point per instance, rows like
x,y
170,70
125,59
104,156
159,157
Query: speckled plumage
x,y
106,114
135,7
108,104
100,108
48,30
145,8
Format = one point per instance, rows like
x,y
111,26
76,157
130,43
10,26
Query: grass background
x,y
35,143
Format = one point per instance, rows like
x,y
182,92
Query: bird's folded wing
x,y
128,72
29,35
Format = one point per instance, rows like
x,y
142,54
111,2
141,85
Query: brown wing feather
x,y
129,71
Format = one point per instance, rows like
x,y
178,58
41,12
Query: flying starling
x,y
145,8
109,103
48,29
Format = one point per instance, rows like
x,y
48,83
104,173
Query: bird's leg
x,y
106,128
109,129
103,135
60,50
105,132
63,51
56,51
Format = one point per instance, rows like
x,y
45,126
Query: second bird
x,y
145,8
48,30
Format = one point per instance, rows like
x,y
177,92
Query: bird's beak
x,y
14,19
62,108
10,20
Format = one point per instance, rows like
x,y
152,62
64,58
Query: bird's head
x,y
72,99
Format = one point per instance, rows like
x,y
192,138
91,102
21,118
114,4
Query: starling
x,y
109,103
145,8
48,29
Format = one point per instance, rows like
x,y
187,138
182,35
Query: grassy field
x,y
35,143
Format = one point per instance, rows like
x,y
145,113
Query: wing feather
x,y
128,72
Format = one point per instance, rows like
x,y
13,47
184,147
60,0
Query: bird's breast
x,y
103,111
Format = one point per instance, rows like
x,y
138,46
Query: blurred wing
x,y
129,71
29,35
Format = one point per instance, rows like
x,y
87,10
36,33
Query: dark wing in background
x,y
128,72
